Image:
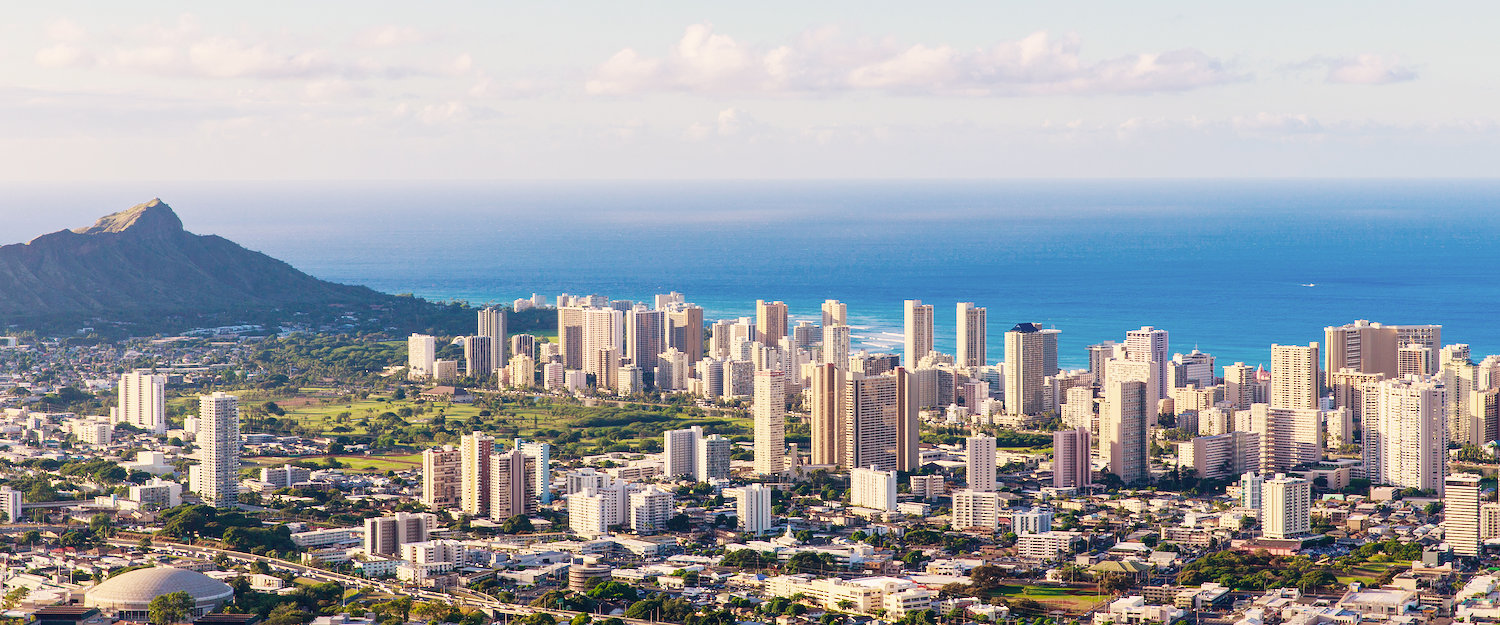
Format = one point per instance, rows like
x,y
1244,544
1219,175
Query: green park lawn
x,y
1070,599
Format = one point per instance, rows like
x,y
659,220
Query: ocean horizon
x,y
1226,266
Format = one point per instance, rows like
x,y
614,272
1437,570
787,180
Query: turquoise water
x,y
1227,266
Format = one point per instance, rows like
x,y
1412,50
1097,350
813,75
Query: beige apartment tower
x,y
835,313
1025,368
918,332
825,395
1373,348
770,422
1294,376
770,321
972,335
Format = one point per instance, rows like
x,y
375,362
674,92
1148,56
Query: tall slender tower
x,y
918,332
1149,344
1406,442
421,353
1285,507
570,335
1025,360
475,451
1070,458
836,346
1461,513
645,336
1294,376
980,463
218,441
143,401
442,478
826,413
770,321
972,335
492,324
1122,429
770,422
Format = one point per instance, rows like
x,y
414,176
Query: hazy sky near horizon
x,y
685,90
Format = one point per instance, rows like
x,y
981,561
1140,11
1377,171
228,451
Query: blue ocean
x,y
1229,267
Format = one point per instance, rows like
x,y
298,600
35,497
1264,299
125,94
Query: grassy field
x,y
1070,599
1366,573
355,463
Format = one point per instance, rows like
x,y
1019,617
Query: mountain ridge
x,y
140,267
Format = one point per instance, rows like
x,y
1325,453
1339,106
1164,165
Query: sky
x,y
369,90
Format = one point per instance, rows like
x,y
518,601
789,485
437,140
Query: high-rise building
x,y
384,536
1406,443
512,482
1461,514
11,499
218,441
1349,387
604,365
976,509
1192,369
672,371
521,372
1285,507
712,462
541,474
1294,376
1099,357
1123,428
522,345
1026,355
918,332
649,510
1252,485
1070,458
421,353
753,506
770,321
770,422
1220,456
645,336
836,346
685,331
478,350
570,322
979,462
1373,348
680,451
826,414
872,488
879,429
442,477
475,452
973,335
143,401
492,326
835,313
1149,344
1239,385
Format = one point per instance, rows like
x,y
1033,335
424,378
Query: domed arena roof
x,y
137,588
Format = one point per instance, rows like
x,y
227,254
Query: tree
x,y
14,597
173,607
517,524
581,619
288,613
539,618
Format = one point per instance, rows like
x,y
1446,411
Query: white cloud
x,y
390,36
63,55
1039,64
1369,69
730,122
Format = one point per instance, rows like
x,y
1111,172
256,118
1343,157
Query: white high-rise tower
x,y
770,422
143,401
217,475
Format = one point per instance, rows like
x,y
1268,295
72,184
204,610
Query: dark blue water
x,y
1222,265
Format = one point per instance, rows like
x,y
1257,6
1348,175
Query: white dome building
x,y
128,595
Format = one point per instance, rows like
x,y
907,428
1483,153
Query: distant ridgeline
x,y
138,272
